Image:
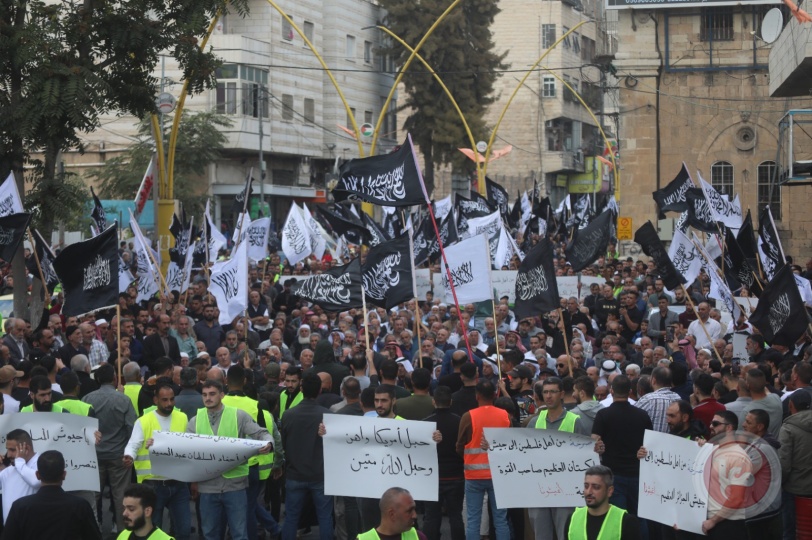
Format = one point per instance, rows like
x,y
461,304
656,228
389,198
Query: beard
x,y
304,340
48,406
137,523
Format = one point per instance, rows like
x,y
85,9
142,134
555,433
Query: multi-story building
x,y
552,134
694,87
270,83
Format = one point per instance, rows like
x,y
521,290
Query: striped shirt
x,y
655,404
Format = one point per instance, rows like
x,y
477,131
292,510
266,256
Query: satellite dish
x,y
771,25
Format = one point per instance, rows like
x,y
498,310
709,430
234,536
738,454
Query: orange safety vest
x,y
475,459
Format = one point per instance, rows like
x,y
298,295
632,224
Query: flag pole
x,y
702,323
39,267
496,341
451,281
366,315
417,330
566,341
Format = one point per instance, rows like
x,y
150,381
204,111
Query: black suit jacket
x,y
68,517
154,348
15,353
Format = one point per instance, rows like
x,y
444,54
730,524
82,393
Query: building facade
x,y
694,87
271,84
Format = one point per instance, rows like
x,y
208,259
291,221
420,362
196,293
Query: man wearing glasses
x,y
551,392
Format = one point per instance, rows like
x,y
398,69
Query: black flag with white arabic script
x,y
389,179
342,225
737,270
12,231
448,236
337,289
375,233
536,286
652,246
46,260
240,203
98,214
387,274
700,216
497,196
747,240
780,315
590,242
89,273
671,198
769,244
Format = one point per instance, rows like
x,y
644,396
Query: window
x,y
591,94
287,30
389,126
717,24
350,118
548,87
566,42
308,31
367,117
547,35
576,43
240,90
766,194
368,52
350,53
287,107
569,95
587,48
309,111
722,178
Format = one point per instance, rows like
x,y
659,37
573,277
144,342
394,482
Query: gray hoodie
x,y
796,446
587,411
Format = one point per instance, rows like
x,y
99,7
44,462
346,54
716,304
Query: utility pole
x,y
260,103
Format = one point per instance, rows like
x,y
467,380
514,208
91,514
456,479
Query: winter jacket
x,y
796,447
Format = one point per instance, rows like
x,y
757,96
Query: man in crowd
x,y
398,515
19,478
68,517
225,497
600,519
478,480
547,521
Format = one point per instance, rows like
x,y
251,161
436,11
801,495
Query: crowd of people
x,y
622,357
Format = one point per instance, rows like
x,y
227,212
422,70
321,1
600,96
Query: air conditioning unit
x,y
579,156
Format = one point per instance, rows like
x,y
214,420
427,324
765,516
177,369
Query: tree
x,y
461,52
64,64
200,140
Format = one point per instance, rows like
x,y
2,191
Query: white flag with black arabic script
x,y
295,236
317,241
729,213
469,263
256,234
214,238
229,284
686,259
10,202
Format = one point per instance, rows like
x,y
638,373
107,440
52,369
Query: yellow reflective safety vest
x,y
372,534
30,408
149,423
610,530
567,424
156,534
251,406
131,390
74,406
229,427
283,401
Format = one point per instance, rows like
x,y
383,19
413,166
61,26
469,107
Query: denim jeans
x,y
451,493
255,512
626,496
229,506
175,497
295,493
474,494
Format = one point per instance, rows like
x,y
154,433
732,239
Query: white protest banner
x,y
538,468
672,489
469,263
367,456
70,434
422,282
189,457
504,283
740,348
